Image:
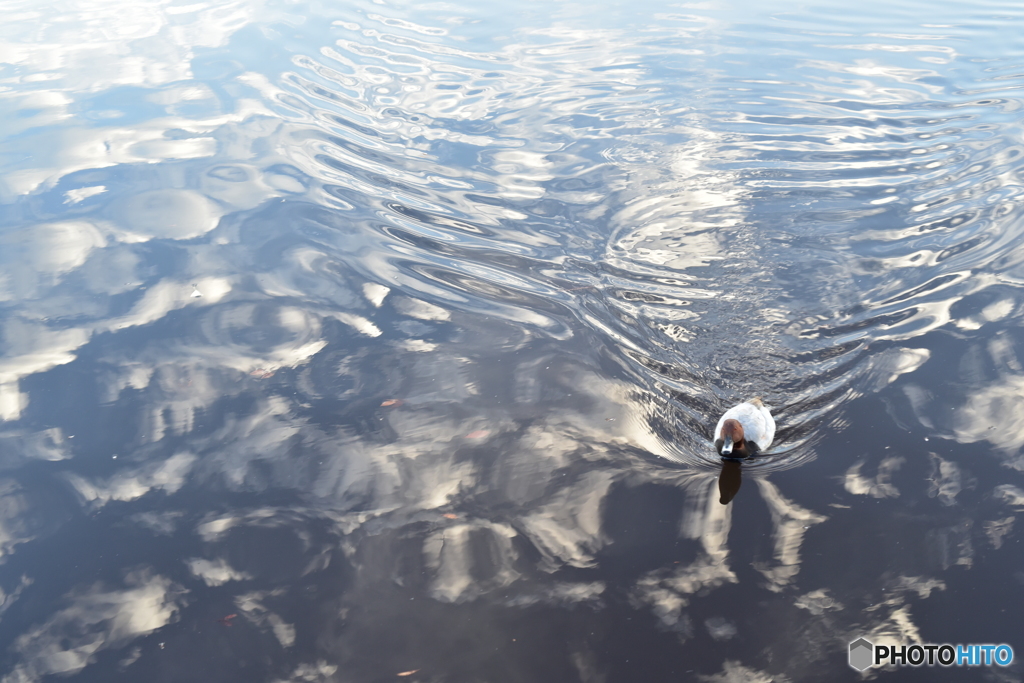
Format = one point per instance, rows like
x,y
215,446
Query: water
x,y
384,341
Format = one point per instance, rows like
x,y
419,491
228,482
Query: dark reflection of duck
x,y
729,481
744,430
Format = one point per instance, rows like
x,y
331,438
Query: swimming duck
x,y
744,430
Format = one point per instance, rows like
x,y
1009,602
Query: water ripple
x,y
353,305
787,235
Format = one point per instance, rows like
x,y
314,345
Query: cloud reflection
x,y
96,618
411,318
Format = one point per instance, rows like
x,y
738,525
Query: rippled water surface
x,y
380,341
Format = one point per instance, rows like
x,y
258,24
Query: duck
x,y
744,430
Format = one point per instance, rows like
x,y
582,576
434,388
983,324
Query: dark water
x,y
343,341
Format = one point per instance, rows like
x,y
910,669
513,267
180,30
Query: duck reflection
x,y
729,481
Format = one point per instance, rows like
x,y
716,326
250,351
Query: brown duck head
x,y
732,444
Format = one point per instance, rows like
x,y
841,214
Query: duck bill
x,y
727,446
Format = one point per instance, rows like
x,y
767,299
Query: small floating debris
x,y
227,620
407,673
195,291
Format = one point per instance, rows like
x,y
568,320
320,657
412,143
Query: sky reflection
x,y
342,343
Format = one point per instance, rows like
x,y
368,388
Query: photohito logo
x,y
864,653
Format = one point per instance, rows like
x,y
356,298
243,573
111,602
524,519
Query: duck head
x,y
732,437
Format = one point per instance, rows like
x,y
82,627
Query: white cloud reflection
x,y
734,672
252,606
16,510
568,529
790,522
99,46
96,618
128,484
879,486
214,572
455,555
680,212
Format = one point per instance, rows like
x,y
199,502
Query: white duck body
x,y
758,424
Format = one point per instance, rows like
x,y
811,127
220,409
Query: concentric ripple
x,y
776,209
720,249
336,329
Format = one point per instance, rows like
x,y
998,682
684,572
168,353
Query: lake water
x,y
383,341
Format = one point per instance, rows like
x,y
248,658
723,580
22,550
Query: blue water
x,y
384,341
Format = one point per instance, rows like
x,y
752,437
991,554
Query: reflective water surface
x,y
384,340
